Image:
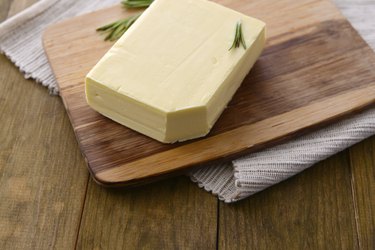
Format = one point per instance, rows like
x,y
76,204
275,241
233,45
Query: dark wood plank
x,y
362,158
303,79
40,204
313,210
172,214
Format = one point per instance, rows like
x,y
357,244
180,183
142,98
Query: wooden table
x,y
330,205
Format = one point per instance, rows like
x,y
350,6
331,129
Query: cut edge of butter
x,y
192,121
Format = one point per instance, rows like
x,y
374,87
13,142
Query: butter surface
x,y
171,75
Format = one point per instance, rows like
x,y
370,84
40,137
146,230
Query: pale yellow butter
x,y
171,75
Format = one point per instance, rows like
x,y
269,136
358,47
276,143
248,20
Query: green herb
x,y
238,37
136,3
116,29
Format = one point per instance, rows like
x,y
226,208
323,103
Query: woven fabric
x,y
20,40
243,177
21,35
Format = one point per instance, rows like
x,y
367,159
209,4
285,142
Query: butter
x,y
171,75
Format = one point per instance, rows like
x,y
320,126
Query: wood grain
x,y
313,210
363,183
173,214
313,71
42,173
30,218
237,141
40,205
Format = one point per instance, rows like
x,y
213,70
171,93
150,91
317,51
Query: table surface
x,y
41,207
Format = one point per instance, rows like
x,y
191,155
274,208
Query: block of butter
x,y
171,75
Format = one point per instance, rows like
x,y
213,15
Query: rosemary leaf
x,y
116,29
238,37
242,38
117,32
136,3
106,27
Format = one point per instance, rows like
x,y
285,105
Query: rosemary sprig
x,y
238,37
136,3
116,29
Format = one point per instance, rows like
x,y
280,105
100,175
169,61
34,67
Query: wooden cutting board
x,y
315,69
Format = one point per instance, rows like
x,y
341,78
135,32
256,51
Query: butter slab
x,y
171,75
